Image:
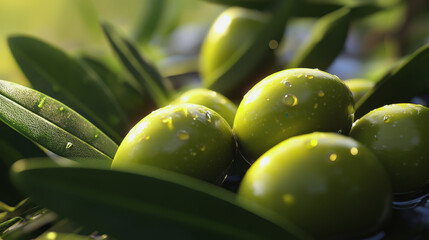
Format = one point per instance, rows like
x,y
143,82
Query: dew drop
x,y
340,131
41,102
321,93
169,121
299,75
61,109
310,76
313,143
286,83
192,152
147,138
290,100
273,44
208,116
69,145
354,151
183,135
386,118
333,157
316,106
194,116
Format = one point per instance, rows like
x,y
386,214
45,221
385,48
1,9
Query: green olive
x,y
359,87
211,99
399,135
290,103
186,138
328,184
232,30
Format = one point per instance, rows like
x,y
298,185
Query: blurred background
x,y
374,43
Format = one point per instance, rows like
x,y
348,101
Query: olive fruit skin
x,y
398,134
233,29
329,185
289,103
359,87
185,138
211,99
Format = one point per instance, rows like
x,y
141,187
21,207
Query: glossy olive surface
x,y
185,138
211,99
359,87
399,135
232,30
290,103
328,184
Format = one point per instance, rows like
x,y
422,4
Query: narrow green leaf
x,y
9,223
52,124
144,202
129,98
403,82
5,207
147,77
246,59
150,16
31,228
52,71
326,41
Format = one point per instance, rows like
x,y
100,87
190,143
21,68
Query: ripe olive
x,y
185,138
211,99
290,103
330,185
231,31
398,134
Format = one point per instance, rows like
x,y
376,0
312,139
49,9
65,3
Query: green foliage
x,y
162,200
147,79
326,41
52,124
54,73
403,82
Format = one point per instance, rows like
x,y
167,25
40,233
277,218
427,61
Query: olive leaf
x,y
149,19
405,81
132,102
52,124
31,227
53,72
247,57
144,202
326,41
9,223
147,78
